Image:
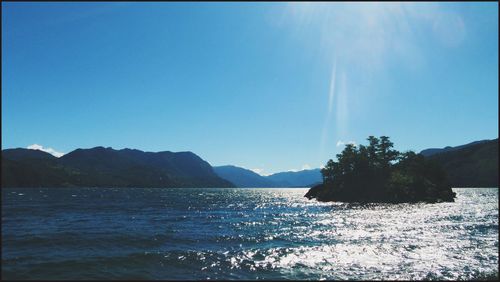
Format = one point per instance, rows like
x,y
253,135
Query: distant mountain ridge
x,y
302,178
242,177
470,165
24,154
433,151
246,178
106,167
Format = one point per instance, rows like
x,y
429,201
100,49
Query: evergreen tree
x,y
377,173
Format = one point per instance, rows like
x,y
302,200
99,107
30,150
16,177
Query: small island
x,y
378,174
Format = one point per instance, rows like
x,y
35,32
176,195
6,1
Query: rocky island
x,y
378,174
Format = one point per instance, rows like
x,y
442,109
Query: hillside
x,y
106,167
242,177
473,165
432,151
245,178
303,178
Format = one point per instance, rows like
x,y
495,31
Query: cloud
x,y
304,167
47,150
342,143
259,171
263,172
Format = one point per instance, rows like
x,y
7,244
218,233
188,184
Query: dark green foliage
x,y
106,167
377,173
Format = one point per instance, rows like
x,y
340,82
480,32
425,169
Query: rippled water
x,y
91,233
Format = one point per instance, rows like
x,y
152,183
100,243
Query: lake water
x,y
95,233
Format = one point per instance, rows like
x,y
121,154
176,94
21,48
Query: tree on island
x,y
377,173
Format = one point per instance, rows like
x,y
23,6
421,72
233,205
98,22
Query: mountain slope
x,y
20,154
33,173
432,151
244,178
303,178
473,165
106,167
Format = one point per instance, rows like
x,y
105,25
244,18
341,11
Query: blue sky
x,y
270,87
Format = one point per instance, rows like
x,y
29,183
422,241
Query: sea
x,y
226,233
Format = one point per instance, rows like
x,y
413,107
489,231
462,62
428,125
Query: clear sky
x,y
268,86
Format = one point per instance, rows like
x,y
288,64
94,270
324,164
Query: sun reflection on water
x,y
246,234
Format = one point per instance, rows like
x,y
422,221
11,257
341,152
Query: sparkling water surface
x,y
208,233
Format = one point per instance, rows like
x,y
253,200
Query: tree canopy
x,y
378,173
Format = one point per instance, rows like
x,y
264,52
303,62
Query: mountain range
x,y
432,151
246,178
106,167
470,165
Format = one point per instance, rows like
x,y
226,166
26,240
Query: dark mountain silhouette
x,y
26,154
33,173
245,178
433,151
242,177
471,165
106,167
